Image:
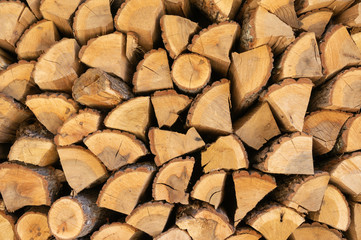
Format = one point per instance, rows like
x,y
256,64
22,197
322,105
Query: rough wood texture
x,y
33,225
354,231
245,233
178,7
5,59
349,135
351,16
116,229
316,21
218,11
315,231
7,227
174,233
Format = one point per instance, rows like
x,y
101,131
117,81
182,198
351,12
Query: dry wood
x,y
5,59
124,189
176,33
335,5
174,233
349,135
36,40
247,85
245,233
288,154
356,37
351,16
354,231
150,217
59,66
171,182
289,101
166,145
215,43
218,11
191,72
133,116
225,153
167,105
250,188
33,225
7,226
178,7
92,18
34,6
315,231
316,21
116,230
338,6
115,148
134,52
51,109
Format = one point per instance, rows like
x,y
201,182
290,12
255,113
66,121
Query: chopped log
x,y
315,231
316,21
335,5
115,148
338,6
61,13
261,27
17,81
338,51
354,231
141,17
33,225
178,7
92,19
15,17
176,33
356,37
225,153
256,126
133,116
150,217
36,40
166,145
124,189
288,102
96,88
174,233
351,16
288,154
51,109
78,126
34,6
99,53
82,169
250,188
171,182
210,188
116,230
334,210
133,51
168,104
245,234
324,126
191,72
73,217
5,59
40,187
7,223
153,72
210,111
12,114
218,11
215,43
59,66
247,85
349,135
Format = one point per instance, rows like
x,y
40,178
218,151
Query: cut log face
x,y
210,188
166,145
191,72
225,153
257,126
61,13
261,27
289,101
218,11
5,60
334,210
210,111
215,43
288,154
250,188
114,148
176,33
133,116
123,190
36,40
82,169
309,5
37,185
92,18
245,233
338,51
178,7
17,81
7,223
115,230
316,21
356,37
34,6
153,72
97,89
168,104
315,231
133,51
59,66
174,233
247,85
171,182
78,126
324,126
349,135
99,53
33,225
141,17
354,231
275,221
51,109
351,16
15,17
150,217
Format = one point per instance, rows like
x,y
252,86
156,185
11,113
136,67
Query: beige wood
x,y
33,225
178,7
166,145
34,6
315,231
351,17
218,11
5,59
338,6
356,37
115,231
245,233
134,52
354,231
174,233
349,135
316,21
284,10
7,228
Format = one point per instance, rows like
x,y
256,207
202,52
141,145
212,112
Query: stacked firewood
x,y
180,119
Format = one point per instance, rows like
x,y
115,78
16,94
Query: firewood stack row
x,y
180,119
